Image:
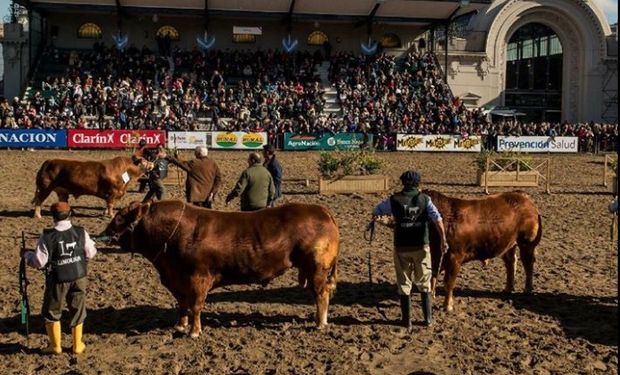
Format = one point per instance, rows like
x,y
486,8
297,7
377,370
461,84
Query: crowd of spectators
x,y
270,91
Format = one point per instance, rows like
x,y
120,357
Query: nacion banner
x,y
338,141
238,140
88,138
438,143
538,144
187,140
33,138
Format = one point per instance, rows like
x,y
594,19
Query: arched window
x,y
90,30
317,38
168,31
391,41
534,73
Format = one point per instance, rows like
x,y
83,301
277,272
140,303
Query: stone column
x,y
15,55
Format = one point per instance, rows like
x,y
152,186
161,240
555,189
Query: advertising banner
x,y
538,144
33,138
88,138
438,143
187,140
238,140
338,141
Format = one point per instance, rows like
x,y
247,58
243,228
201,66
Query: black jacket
x,y
275,169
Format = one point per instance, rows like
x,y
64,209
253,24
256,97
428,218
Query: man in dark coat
x,y
275,169
203,178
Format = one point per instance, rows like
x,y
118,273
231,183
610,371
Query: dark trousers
x,y
156,188
143,182
205,204
57,294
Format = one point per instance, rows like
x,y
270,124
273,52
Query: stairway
x,y
332,104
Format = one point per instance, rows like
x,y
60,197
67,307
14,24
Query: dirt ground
x,y
568,326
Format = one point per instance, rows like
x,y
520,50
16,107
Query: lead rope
x,y
174,231
369,235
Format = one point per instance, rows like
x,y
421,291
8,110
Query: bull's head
x,y
125,222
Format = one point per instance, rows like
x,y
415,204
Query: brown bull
x,y
482,229
196,249
106,179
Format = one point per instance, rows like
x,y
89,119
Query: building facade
x,y
553,60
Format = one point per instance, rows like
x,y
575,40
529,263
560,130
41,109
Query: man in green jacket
x,y
255,186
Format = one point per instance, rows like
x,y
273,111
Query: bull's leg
x,y
321,295
453,266
39,197
63,195
110,208
510,261
200,286
183,322
528,257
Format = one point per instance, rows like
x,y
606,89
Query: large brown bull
x,y
106,179
481,229
196,249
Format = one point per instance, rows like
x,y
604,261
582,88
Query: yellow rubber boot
x,y
53,333
78,344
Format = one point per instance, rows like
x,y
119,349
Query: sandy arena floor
x,y
568,326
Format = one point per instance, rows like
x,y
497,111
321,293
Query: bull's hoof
x,y
321,326
529,290
194,335
449,308
508,290
181,328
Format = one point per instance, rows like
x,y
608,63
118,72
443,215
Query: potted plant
x,y
505,169
351,172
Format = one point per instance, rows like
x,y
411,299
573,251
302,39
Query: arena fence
x,y
189,140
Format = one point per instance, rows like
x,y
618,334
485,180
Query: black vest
x,y
161,168
411,216
67,258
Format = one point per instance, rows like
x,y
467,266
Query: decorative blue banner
x,y
33,138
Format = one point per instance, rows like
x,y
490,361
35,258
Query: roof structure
x,y
389,11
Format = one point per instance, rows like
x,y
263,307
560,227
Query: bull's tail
x,y
540,231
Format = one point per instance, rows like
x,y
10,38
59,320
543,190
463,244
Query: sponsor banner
x,y
187,140
437,143
238,140
248,30
338,141
33,138
88,138
538,144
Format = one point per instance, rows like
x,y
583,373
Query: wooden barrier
x,y
176,176
608,161
515,172
354,184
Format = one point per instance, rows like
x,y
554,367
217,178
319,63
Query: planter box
x,y
354,184
508,179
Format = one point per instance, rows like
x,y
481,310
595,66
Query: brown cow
x,y
196,249
106,179
482,229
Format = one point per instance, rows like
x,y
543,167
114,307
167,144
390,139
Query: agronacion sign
x,y
238,140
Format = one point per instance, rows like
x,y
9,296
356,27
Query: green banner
x,y
338,141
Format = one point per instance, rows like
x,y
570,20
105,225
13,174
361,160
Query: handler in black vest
x,y
62,251
412,211
157,175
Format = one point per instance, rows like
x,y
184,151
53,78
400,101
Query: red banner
x,y
79,138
